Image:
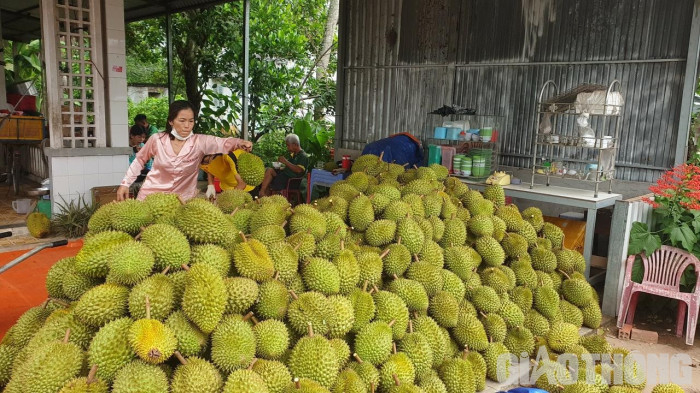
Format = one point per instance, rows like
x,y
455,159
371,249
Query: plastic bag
x,y
546,124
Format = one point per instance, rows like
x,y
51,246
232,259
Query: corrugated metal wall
x,y
403,58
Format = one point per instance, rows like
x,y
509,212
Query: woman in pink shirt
x,y
177,153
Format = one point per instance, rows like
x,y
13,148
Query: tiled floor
x,y
8,217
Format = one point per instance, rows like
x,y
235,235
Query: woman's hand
x,y
246,145
122,193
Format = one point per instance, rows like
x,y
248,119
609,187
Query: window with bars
x,y
77,46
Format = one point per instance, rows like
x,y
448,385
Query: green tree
x,y
286,46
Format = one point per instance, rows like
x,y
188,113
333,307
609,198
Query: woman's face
x,y
183,122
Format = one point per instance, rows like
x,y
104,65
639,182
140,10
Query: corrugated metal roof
x,y
21,22
405,58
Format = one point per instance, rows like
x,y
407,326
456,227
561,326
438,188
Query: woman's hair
x,y
136,130
173,111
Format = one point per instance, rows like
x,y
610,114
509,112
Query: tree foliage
x,y
285,41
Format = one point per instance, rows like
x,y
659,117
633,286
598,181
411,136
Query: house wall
x,y
400,59
139,93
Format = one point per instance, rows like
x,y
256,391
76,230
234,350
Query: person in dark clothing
x,y
296,163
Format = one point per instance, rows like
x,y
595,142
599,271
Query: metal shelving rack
x,y
571,149
476,121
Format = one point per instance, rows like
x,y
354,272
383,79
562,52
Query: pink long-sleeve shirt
x,y
176,173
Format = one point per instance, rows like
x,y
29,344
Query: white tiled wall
x,y
115,75
72,177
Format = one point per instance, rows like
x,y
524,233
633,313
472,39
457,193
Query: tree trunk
x,y
326,45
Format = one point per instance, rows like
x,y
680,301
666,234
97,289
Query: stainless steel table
x,y
561,196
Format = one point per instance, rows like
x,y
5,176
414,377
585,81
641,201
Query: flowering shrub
x,y
676,206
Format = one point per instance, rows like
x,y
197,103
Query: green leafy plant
x,y
676,216
72,218
315,139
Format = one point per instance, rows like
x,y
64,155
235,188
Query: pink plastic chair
x,y
662,276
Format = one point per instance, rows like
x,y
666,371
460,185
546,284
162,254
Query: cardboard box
x,y
574,232
104,195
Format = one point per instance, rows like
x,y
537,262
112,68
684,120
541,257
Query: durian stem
x,y
284,224
371,291
381,156
91,374
67,336
415,314
396,379
415,258
564,273
410,326
385,253
357,358
342,245
297,246
255,320
393,321
59,301
483,314
337,231
374,286
294,295
371,387
180,199
311,329
148,308
394,347
252,363
364,287
398,240
277,275
248,316
181,358
395,276
185,267
166,270
235,210
465,352
297,384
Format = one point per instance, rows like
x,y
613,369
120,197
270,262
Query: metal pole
x,y
689,84
246,67
169,43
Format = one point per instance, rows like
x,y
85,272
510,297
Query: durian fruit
x,y
380,232
341,318
205,298
213,255
313,357
93,259
230,200
411,292
667,388
203,222
267,214
374,342
491,356
271,339
38,224
89,384
49,367
444,309
470,333
426,274
570,313
495,194
251,169
562,336
233,344
130,263
151,340
130,216
306,217
159,289
533,215
274,373
242,293
520,340
285,260
56,275
495,327
110,349
397,369
321,275
363,307
554,234
350,382
252,260
140,377
273,300
490,250
8,354
162,206
309,307
577,292
190,340
169,246
195,375
538,324
546,301
411,235
26,327
102,304
592,315
101,219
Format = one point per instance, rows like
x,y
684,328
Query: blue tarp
x,y
400,149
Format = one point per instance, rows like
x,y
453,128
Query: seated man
x,y
142,121
223,167
295,162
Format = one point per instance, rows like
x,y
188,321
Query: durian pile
x,y
400,281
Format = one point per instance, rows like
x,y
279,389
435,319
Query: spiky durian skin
x,y
130,263
205,297
140,377
314,358
374,342
110,349
190,340
54,278
93,258
202,222
81,385
271,338
161,296
152,341
102,304
232,344
50,367
170,246
130,216
198,375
